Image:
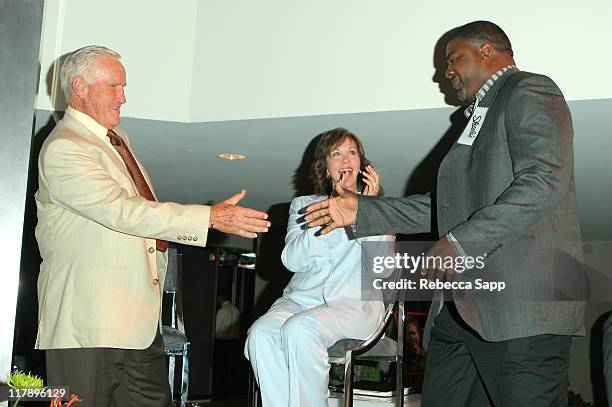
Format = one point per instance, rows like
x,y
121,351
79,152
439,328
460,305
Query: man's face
x,y
103,92
414,337
465,68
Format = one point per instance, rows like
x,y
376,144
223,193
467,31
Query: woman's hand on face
x,y
371,180
343,181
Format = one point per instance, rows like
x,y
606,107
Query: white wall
x,y
213,60
155,40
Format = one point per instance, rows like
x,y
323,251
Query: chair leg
x,y
400,354
253,391
399,383
171,366
185,376
348,379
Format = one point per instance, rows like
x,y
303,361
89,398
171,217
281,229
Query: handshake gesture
x,y
228,217
338,211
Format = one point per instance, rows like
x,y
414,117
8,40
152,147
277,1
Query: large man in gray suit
x,y
507,179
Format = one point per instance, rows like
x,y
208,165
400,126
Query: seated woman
x,y
322,303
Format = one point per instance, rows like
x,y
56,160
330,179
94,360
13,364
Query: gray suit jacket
x,y
514,184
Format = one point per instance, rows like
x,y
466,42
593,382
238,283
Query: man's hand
x,y
441,251
228,217
335,212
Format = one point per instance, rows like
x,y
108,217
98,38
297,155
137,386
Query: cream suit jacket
x,y
101,278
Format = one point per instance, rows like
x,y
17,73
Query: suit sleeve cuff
x,y
455,245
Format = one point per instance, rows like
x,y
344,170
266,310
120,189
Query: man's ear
x,y
79,86
486,51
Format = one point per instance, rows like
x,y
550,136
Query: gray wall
x,y
181,158
20,24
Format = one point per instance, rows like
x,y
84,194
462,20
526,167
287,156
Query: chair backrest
x,y
171,280
172,286
375,336
393,300
391,296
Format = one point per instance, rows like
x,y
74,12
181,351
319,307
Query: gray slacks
x,y
464,370
112,377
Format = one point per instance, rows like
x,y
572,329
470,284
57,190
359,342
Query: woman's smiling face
x,y
343,161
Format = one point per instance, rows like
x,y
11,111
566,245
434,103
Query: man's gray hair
x,y
82,62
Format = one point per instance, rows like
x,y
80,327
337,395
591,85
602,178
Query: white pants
x,y
287,347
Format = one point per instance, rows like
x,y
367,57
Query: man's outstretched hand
x,y
338,211
228,217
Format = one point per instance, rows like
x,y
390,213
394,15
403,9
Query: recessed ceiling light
x,y
229,156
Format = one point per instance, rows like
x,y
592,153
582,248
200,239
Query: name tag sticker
x,y
473,127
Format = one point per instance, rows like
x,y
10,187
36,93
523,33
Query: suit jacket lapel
x,y
102,145
490,96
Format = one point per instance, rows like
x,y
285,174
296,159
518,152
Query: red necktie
x,y
139,180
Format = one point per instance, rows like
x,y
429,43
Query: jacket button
x,y
155,282
184,237
195,238
178,238
189,238
151,250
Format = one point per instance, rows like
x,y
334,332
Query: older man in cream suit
x,y
102,237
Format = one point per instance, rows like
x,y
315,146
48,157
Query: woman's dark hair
x,y
327,142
